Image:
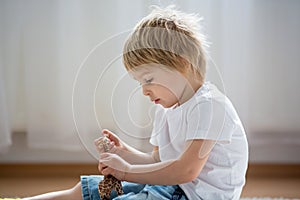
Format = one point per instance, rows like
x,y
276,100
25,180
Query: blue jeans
x,y
89,186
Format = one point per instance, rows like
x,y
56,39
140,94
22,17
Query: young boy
x,y
200,147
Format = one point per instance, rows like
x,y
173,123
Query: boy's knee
x,y
75,192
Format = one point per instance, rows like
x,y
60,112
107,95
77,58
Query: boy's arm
x,y
133,156
125,151
172,172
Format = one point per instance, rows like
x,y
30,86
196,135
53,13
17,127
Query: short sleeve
x,y
153,140
209,120
159,122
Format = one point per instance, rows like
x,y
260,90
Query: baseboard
x,y
274,147
72,170
273,170
47,170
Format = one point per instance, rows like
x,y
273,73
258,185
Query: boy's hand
x,y
114,165
103,144
116,144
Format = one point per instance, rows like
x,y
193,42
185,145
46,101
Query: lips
x,y
156,101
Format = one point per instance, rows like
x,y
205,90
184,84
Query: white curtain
x,y
5,141
5,132
46,44
256,46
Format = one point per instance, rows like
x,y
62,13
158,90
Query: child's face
x,y
163,86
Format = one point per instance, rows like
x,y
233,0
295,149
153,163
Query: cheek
x,y
175,89
166,91
168,87
173,86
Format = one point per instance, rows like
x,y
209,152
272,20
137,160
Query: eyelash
x,y
147,81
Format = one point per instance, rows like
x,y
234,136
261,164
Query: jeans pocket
x,y
178,194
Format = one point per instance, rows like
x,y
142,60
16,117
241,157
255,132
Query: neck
x,y
189,90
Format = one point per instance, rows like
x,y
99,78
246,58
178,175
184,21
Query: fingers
x,y
106,171
114,172
107,132
99,145
104,155
107,159
96,141
111,136
112,148
101,167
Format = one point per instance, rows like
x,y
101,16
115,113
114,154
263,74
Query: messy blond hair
x,y
168,37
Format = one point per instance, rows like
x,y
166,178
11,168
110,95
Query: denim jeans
x,y
89,188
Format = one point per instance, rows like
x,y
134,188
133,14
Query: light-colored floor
x,y
20,180
255,187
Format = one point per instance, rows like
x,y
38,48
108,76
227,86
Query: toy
x,y
109,182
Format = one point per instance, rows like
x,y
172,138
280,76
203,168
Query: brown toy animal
x,y
109,182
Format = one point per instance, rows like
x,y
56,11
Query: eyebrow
x,y
141,75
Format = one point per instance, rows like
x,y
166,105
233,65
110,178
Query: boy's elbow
x,y
187,175
191,175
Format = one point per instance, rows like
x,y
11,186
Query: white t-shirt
x,y
207,115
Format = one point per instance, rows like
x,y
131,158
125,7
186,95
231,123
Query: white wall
x,y
275,152
255,45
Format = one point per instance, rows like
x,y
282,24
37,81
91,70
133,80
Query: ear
x,y
185,66
184,63
188,70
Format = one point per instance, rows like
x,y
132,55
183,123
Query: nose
x,y
146,90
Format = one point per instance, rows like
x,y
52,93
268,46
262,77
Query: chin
x,y
167,105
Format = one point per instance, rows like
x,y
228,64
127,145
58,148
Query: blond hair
x,y
168,37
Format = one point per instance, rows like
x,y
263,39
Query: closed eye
x,y
148,81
